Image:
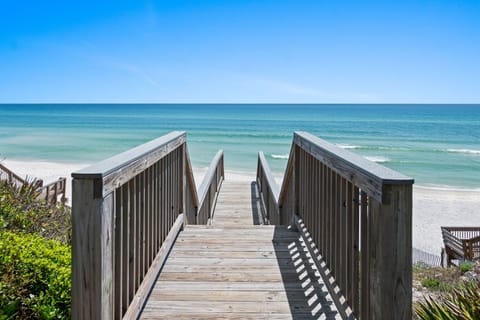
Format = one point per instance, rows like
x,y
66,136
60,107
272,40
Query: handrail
x,y
358,216
209,188
191,196
288,175
126,213
49,192
367,175
10,176
119,169
268,189
52,191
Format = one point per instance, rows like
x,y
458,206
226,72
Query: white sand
x,y
47,171
432,208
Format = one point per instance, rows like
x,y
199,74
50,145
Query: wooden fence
x,y
50,192
357,216
127,212
8,175
200,205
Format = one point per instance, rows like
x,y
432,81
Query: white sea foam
x,y
348,146
280,156
466,151
378,159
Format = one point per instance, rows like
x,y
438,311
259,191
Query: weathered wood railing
x,y
52,191
358,217
201,204
268,189
461,243
208,190
127,212
10,176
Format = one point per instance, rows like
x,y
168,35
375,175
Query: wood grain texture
x,y
119,169
92,253
207,283
322,184
234,269
365,174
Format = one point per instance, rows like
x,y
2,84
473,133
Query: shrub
x,y
465,266
35,277
461,303
20,211
431,283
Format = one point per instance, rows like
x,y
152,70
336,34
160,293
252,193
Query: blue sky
x,y
240,51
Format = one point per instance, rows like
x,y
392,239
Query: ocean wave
x,y
348,146
465,151
441,187
280,156
378,159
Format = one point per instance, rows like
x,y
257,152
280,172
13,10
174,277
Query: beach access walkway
x,y
234,269
333,242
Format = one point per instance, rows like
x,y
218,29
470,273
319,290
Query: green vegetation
x,y
35,277
447,293
431,283
35,256
466,266
436,279
462,303
20,211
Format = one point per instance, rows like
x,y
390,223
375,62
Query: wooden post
x,y
183,180
92,251
390,254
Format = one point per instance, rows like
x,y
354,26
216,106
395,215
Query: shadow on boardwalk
x,y
308,297
258,211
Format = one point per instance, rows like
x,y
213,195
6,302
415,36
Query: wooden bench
x,y
462,243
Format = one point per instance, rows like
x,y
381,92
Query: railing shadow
x,y
307,295
258,210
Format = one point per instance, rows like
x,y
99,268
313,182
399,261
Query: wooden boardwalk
x,y
234,269
133,257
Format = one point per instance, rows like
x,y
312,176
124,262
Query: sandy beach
x,y
432,208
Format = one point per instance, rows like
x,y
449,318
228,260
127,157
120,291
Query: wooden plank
x,y
230,307
367,175
166,294
199,286
391,254
154,315
138,237
123,190
209,175
272,268
147,283
287,177
132,240
364,253
272,184
92,260
356,248
329,282
206,261
231,276
231,254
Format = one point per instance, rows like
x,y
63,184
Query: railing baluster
x,y
123,209
344,201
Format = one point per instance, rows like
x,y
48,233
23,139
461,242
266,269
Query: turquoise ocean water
x,y
438,145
